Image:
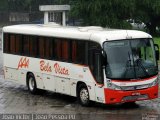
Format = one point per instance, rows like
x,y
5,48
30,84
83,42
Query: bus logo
x,y
45,66
60,70
23,63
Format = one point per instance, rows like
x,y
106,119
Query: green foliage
x,y
3,5
157,41
148,11
106,13
59,2
113,13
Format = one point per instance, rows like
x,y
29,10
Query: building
x,y
55,13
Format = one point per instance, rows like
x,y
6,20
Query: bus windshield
x,y
130,59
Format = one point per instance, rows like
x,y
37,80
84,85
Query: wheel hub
x,y
84,95
31,84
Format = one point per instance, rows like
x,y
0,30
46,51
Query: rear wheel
x,y
31,84
83,95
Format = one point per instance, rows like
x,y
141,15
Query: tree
x,y
114,13
148,11
58,2
18,5
106,13
3,5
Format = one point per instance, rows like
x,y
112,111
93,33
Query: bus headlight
x,y
154,83
113,86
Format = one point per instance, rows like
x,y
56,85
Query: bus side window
x,y
57,49
79,52
6,41
41,47
48,48
74,51
12,44
25,45
65,50
92,48
33,46
18,44
97,71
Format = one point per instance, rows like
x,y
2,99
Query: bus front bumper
x,y
118,96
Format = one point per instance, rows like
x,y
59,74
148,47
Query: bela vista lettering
x,y
23,63
60,70
45,66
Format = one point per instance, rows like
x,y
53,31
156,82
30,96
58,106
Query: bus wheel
x,y
31,84
83,95
130,104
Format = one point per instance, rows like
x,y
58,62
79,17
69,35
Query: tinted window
x,y
6,41
97,71
65,50
41,47
57,49
48,48
12,44
79,52
25,45
33,46
18,44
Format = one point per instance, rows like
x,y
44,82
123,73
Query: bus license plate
x,y
136,97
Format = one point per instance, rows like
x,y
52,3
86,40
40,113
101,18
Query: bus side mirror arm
x,y
104,58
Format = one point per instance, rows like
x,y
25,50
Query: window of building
x,y
55,17
51,16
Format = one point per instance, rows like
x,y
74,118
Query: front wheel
x,y
31,84
83,95
130,104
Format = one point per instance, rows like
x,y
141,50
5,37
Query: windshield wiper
x,y
128,65
139,64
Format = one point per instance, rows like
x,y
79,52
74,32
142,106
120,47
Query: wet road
x,y
15,98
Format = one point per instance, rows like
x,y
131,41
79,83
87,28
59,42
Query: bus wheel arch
x,y
83,94
31,83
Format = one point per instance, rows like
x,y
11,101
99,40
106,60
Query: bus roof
x,y
92,33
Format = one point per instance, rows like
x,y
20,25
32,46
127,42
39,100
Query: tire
x,y
31,84
83,95
130,104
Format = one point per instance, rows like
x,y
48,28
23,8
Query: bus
x,y
91,63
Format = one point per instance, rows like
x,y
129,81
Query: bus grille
x,y
136,97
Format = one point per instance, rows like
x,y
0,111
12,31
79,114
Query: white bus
x,y
91,63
